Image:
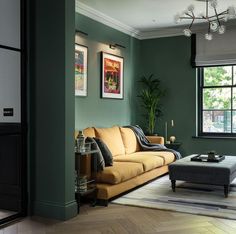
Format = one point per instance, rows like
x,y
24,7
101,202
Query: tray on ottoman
x,y
204,158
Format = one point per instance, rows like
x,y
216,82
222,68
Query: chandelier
x,y
214,21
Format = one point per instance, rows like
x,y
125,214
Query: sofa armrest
x,y
156,139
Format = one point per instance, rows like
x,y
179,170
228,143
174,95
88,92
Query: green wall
x,y
92,110
169,59
51,108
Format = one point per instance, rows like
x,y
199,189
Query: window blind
x,y
221,50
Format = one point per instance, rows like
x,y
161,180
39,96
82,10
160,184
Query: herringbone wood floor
x,y
124,219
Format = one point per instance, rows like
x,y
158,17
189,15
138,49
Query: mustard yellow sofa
x,y
131,166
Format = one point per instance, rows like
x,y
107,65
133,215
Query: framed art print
x,y
81,70
112,80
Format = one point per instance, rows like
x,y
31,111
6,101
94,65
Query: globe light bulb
x,y
214,3
221,29
231,12
214,26
187,32
208,36
191,7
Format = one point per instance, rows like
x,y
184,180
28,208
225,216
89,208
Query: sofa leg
x,y
173,185
105,202
226,190
102,202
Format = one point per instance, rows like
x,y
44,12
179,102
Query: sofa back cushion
x,y
130,141
112,138
89,132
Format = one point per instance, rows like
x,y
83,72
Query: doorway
x,y
13,119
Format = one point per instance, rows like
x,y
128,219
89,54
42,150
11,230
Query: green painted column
x,y
51,103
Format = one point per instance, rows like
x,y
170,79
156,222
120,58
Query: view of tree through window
x,y
218,107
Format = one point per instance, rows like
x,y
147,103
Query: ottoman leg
x,y
173,185
226,190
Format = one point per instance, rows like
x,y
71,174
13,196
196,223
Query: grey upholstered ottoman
x,y
215,173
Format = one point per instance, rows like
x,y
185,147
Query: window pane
x,y
234,75
216,98
234,121
217,121
234,98
218,76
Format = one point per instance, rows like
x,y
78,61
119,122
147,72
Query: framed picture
x,y
81,70
112,81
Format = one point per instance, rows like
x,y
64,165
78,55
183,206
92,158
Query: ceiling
x,y
145,16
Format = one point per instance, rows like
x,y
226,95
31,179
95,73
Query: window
x,y
217,101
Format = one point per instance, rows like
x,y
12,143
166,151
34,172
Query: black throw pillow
x,y
106,153
100,161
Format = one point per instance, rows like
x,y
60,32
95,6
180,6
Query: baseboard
x,y
55,210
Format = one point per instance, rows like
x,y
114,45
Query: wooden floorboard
x,y
118,219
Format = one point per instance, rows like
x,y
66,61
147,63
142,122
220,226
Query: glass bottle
x,y
81,142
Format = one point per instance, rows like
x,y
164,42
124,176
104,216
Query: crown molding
x,y
169,31
162,32
178,30
83,9
104,19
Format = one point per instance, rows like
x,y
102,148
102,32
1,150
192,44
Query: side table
x,y
174,146
85,186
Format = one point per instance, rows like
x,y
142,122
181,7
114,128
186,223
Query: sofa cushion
x,y
156,139
106,153
119,172
112,138
130,141
167,156
149,161
89,132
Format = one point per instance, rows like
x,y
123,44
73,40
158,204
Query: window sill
x,y
214,137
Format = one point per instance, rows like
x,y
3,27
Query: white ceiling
x,y
144,16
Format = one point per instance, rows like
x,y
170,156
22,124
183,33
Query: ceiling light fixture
x,y
214,21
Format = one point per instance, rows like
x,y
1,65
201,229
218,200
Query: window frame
x,y
200,76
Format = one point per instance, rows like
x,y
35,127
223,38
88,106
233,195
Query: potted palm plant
x,y
150,96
